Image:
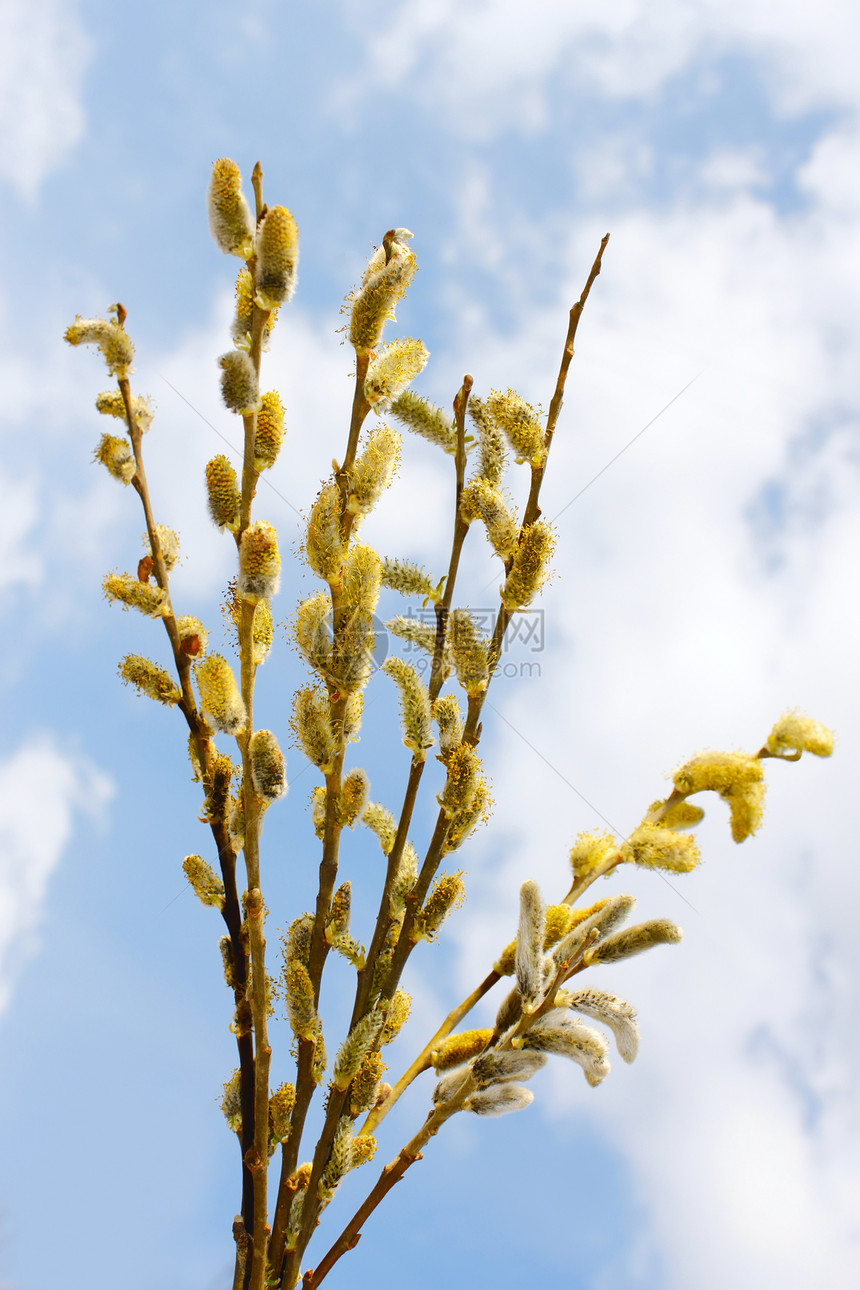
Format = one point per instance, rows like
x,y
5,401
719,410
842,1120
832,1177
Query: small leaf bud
x,y
230,218
116,455
268,769
149,679
277,258
219,695
240,388
223,493
208,887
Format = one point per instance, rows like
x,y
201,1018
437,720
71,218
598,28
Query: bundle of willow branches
x,y
483,1071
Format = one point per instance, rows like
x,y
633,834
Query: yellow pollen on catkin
x,y
219,695
481,500
112,404
113,341
324,546
268,768
149,679
277,258
230,218
222,489
393,369
116,455
460,1048
654,846
374,470
520,425
133,594
374,302
590,852
270,431
718,772
795,732
259,563
530,567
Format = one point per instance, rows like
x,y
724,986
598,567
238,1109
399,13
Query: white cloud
x,y
488,70
43,56
42,790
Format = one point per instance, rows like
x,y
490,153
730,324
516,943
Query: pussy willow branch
x,y
472,730
231,912
257,1157
337,1099
411,1152
279,1257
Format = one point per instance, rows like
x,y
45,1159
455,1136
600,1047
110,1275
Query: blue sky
x,y
706,582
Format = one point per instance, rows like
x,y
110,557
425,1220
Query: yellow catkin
x,y
395,367
795,732
230,218
374,302
374,470
481,500
270,430
460,1048
654,846
240,388
277,258
134,594
222,490
268,768
116,456
112,404
219,695
591,852
520,425
113,341
208,887
324,546
149,679
259,563
530,567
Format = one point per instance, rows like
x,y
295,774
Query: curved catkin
x,y
112,339
394,368
149,679
277,258
374,469
796,733
373,303
134,594
414,706
230,218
